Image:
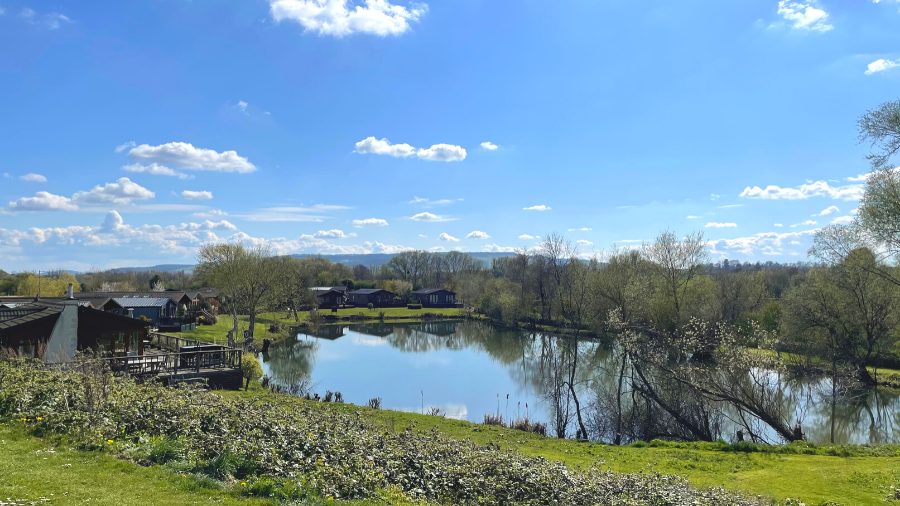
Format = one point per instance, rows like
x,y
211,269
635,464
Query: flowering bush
x,y
267,447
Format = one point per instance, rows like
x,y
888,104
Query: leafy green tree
x,y
251,370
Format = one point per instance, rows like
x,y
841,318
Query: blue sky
x,y
134,132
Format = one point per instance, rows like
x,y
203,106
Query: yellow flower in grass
x,y
40,418
109,441
243,483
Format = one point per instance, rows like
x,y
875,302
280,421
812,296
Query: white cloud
x,y
805,191
372,146
438,152
828,210
210,214
527,237
719,224
122,192
442,153
778,225
881,65
842,220
197,195
477,234
584,242
154,169
43,201
692,217
430,217
538,208
496,248
805,223
582,229
447,237
184,155
336,18
32,177
489,146
330,234
765,243
370,222
805,15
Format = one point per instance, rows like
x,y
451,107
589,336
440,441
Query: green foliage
x,y
251,369
331,452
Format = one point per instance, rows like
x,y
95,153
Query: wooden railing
x,y
177,362
172,343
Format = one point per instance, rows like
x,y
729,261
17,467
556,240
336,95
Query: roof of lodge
x,y
426,291
24,313
142,301
173,295
369,291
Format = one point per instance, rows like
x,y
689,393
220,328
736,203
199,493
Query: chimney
x,y
131,312
70,291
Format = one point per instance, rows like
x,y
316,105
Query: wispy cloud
x,y
489,146
430,217
538,208
804,191
719,224
32,177
197,195
48,20
447,237
477,234
154,169
370,222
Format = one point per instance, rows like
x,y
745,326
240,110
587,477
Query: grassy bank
x,y
304,451
850,475
35,471
217,333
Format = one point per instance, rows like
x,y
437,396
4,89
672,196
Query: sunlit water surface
x,y
469,369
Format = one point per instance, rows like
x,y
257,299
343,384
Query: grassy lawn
x,y
779,474
218,333
31,470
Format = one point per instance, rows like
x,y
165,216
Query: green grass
x,y
31,469
776,472
218,333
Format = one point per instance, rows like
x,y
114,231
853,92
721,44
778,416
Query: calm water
x,y
469,369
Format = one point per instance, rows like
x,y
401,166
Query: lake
x,y
469,369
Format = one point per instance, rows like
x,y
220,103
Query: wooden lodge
x,y
434,297
378,297
329,297
54,331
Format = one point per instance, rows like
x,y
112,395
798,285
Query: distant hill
x,y
370,260
379,259
157,268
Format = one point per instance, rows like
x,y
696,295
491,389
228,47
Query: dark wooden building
x,y
378,297
434,297
53,331
329,297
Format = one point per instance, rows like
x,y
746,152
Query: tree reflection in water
x,y
615,408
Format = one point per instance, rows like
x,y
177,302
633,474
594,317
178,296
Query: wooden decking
x,y
173,359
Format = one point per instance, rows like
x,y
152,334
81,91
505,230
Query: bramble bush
x,y
273,450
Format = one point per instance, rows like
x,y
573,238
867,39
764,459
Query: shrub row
x,y
332,453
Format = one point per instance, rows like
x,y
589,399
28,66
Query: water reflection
x,y
469,369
